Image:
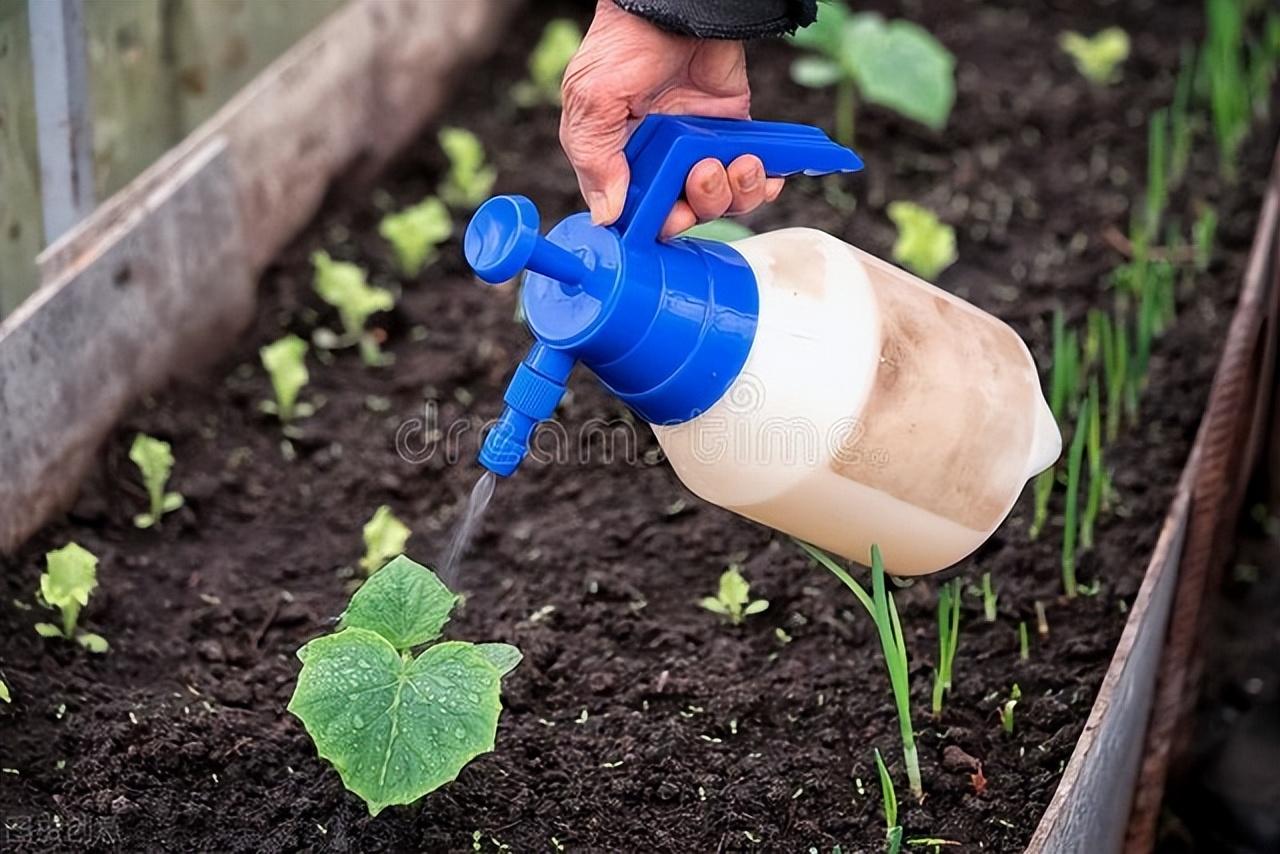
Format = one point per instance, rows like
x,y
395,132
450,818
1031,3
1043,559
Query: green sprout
x,y
1115,363
385,537
1074,459
1097,473
559,42
1157,197
469,180
894,64
926,246
1024,646
1229,97
285,362
1097,57
733,598
344,286
1042,620
1180,127
719,230
396,726
1203,231
989,599
1062,380
415,232
884,613
154,458
1006,710
5,696
948,640
892,830
70,576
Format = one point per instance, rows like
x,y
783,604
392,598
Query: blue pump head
x,y
665,325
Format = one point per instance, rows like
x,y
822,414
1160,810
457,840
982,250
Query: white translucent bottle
x,y
873,408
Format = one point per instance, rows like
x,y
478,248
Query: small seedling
x,y
719,230
1203,231
1042,620
469,180
394,725
948,640
894,64
154,458
1006,710
415,232
344,286
285,361
1075,458
559,42
1180,127
892,830
70,576
1097,473
1157,174
926,246
1024,646
884,613
1223,58
1097,57
733,599
989,598
385,537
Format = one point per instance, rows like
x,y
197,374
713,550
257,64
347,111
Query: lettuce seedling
x,y
1097,57
469,180
719,230
559,42
396,725
344,286
285,361
733,599
415,232
70,576
892,830
894,64
154,458
384,538
926,246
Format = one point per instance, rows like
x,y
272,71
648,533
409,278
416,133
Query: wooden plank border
x,y
161,276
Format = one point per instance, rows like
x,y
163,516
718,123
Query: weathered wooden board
x,y
118,321
195,229
20,233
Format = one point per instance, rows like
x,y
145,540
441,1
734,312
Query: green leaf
x,y
93,642
395,728
172,501
4,692
469,180
722,230
899,65
48,630
816,72
734,589
404,602
154,458
415,232
925,245
71,574
384,538
344,286
502,656
285,361
713,605
1097,57
559,42
755,607
887,794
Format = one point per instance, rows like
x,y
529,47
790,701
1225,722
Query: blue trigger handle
x,y
663,149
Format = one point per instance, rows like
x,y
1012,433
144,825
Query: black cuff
x,y
725,19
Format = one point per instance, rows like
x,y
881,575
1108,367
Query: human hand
x,y
627,68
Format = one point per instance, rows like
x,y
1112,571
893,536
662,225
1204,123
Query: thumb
x,y
593,132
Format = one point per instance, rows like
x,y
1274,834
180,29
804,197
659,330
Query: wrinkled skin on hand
x,y
627,68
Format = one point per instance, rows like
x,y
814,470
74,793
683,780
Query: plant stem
x,y
1024,652
989,598
1042,620
948,640
846,107
1096,479
1074,459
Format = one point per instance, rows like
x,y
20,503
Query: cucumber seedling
x,y
884,613
415,232
154,459
70,577
889,797
395,724
863,56
926,245
733,598
948,640
286,365
385,537
469,179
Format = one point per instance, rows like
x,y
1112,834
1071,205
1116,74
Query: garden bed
x,y
637,721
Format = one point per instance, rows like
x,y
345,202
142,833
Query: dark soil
x,y
638,721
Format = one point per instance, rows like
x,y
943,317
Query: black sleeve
x,y
725,19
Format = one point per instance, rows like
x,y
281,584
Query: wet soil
x,y
638,721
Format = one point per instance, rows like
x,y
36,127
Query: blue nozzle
x,y
502,239
532,397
